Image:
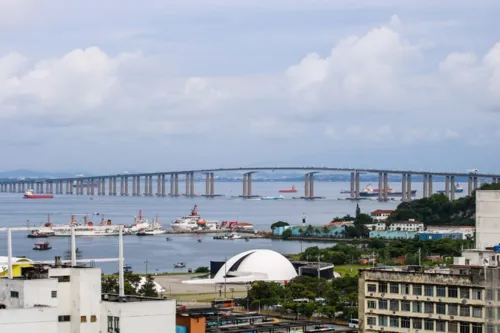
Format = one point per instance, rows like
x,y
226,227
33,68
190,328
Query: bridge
x,y
107,184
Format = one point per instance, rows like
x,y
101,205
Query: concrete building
x,y
17,265
410,225
380,226
413,299
381,214
386,234
487,219
466,231
62,298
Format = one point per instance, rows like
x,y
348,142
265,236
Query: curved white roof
x,y
253,265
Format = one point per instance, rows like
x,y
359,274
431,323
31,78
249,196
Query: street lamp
x,y
146,264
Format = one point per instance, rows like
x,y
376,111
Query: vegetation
x,y
279,224
110,285
202,269
439,210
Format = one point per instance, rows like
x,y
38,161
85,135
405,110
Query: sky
x,y
160,85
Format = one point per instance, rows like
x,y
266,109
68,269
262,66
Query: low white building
x,y
381,214
380,226
410,225
466,231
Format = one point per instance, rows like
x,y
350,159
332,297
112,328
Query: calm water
x,y
160,254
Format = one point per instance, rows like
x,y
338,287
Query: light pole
x,y
146,264
225,274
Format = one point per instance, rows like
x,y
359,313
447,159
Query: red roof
x,y
382,211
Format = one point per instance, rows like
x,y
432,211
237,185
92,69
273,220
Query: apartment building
x,y
456,299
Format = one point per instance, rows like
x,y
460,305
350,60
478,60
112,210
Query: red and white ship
x,y
31,195
292,190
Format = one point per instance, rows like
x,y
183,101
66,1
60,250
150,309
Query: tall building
x,y
487,219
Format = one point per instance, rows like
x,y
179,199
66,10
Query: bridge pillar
x,y
126,185
452,190
171,185
357,185
311,186
134,185
447,186
469,185
306,185
138,190
163,192
14,187
403,187
187,185
408,187
249,186
353,187
386,187
176,185
103,186
114,186
158,185
380,187
92,186
122,186
430,185
425,193
212,184
475,183
150,186
191,183
146,185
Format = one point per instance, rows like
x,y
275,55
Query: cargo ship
x,y
31,195
291,190
458,189
368,191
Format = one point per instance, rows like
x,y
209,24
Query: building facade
x,y
410,225
456,299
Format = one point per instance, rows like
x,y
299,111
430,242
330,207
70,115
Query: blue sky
x,y
162,85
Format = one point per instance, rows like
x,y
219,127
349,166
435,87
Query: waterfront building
x,y
379,226
298,231
387,234
466,231
437,236
381,214
410,225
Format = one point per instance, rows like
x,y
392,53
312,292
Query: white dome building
x,y
253,265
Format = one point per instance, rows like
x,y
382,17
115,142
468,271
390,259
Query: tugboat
x,y
180,264
42,246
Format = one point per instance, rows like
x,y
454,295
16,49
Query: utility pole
x,y
225,273
419,256
146,264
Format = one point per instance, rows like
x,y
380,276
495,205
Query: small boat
x,y
31,195
458,189
42,246
247,239
168,239
199,240
273,198
180,264
292,190
40,234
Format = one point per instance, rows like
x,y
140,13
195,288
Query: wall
x,y
156,316
487,218
31,293
43,320
393,234
194,325
435,236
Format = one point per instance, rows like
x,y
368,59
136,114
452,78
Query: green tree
x,y
279,224
358,210
287,233
202,269
148,289
109,285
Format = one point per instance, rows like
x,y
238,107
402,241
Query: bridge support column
x,y
163,193
311,186
42,190
403,187
103,186
353,186
408,187
126,186
357,185
207,184
122,186
380,187
386,187
249,186
171,185
212,184
134,186
138,189
452,190
176,187
146,186
245,183
158,185
447,186
191,183
475,183
187,185
430,185
306,185
14,187
425,191
92,186
114,186
150,186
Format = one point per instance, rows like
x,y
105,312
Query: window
x,y
429,325
490,329
113,324
489,295
464,328
54,293
83,319
440,326
110,323
372,321
440,291
477,328
382,287
417,307
464,293
382,304
476,293
405,322
14,294
490,313
405,306
452,292
405,289
394,288
63,278
372,305
440,308
498,313
394,321
417,323
382,320
117,324
63,318
452,309
394,305
465,310
477,312
372,288
93,318
452,327
417,290
429,307
498,294
428,290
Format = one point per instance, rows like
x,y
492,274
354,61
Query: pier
x,y
141,184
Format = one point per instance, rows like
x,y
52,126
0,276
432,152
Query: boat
x,y
273,198
458,189
180,264
42,246
40,233
168,239
154,229
368,191
199,240
30,194
292,190
139,223
87,228
194,222
228,236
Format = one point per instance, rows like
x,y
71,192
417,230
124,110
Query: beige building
x,y
455,299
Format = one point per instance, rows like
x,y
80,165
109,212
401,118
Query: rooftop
x,y
129,299
382,211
